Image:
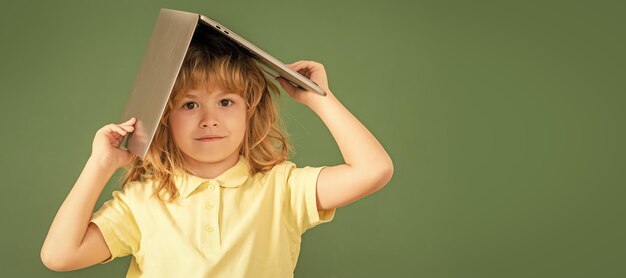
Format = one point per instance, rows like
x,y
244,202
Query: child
x,y
215,196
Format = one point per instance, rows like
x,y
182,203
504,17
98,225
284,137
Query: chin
x,y
209,158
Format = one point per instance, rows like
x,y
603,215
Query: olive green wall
x,y
504,119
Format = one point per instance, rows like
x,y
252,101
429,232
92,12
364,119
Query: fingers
x,y
129,124
289,88
130,121
306,62
306,65
120,130
311,70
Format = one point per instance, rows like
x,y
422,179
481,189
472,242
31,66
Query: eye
x,y
225,102
188,106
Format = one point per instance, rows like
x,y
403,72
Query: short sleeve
x,y
117,224
301,197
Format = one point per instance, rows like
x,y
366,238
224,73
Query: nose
x,y
209,118
207,124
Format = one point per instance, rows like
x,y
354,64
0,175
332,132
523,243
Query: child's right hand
x,y
106,145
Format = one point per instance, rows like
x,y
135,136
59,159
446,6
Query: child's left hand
x,y
315,72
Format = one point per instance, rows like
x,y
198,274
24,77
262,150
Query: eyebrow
x,y
194,96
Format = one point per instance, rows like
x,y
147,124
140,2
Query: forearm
x,y
70,224
359,148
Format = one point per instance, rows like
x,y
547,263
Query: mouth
x,y
210,139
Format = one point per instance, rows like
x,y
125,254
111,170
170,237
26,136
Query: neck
x,y
211,169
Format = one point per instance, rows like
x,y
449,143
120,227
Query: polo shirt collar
x,y
233,177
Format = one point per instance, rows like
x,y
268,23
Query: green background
x,y
504,119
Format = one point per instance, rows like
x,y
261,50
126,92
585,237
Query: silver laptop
x,y
168,45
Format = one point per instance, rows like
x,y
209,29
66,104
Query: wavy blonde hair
x,y
217,62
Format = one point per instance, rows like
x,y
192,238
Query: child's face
x,y
208,112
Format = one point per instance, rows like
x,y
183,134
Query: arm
x,y
72,241
367,166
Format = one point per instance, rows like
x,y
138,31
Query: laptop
x,y
171,36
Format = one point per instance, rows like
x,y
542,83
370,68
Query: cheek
x,y
177,124
236,125
241,122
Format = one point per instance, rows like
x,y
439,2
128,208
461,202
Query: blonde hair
x,y
213,61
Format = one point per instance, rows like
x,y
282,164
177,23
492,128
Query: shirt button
x,y
209,228
211,186
210,205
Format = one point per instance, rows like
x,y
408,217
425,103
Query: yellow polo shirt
x,y
231,226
